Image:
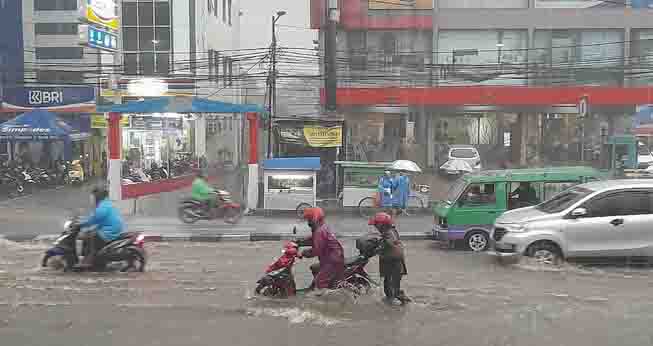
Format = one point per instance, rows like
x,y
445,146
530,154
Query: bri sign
x,y
72,99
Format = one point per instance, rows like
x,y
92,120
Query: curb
x,y
206,238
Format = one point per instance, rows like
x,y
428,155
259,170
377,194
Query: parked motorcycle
x,y
280,282
75,172
129,248
192,211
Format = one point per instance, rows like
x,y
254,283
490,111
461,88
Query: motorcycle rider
x,y
392,265
203,192
108,222
330,270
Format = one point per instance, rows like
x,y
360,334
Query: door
x,y
612,227
476,208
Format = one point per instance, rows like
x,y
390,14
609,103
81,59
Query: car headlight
x,y
514,227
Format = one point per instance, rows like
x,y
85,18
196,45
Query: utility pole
x,y
330,51
272,101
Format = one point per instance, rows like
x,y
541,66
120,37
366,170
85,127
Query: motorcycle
x,y
280,282
75,172
128,248
192,211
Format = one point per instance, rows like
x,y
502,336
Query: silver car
x,y
611,218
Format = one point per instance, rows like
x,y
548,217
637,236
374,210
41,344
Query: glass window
x,y
463,153
564,200
162,36
479,194
59,52
129,13
229,10
287,182
455,190
130,39
552,189
224,10
620,204
215,8
55,28
524,194
145,14
53,76
145,38
162,63
147,63
131,64
162,13
55,5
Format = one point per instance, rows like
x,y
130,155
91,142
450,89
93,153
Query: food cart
x,y
290,182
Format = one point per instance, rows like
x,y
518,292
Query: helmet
x,y
381,219
315,215
100,193
291,249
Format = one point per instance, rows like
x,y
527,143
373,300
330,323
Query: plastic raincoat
x,y
401,191
329,251
386,186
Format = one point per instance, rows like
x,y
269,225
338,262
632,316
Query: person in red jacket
x,y
329,272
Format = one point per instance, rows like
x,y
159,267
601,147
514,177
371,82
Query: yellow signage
x,y
323,136
400,4
99,122
101,12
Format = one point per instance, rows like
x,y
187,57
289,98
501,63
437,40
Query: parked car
x,y
475,200
605,219
644,156
463,152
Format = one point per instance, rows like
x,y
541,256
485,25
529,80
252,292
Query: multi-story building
x,y
11,52
505,75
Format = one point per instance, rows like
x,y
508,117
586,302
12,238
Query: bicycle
x,y
323,203
369,206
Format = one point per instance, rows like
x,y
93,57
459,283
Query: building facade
x,y
503,75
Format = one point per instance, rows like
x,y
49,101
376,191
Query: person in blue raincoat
x,y
386,186
401,191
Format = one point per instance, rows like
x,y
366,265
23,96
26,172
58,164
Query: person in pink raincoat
x,y
329,272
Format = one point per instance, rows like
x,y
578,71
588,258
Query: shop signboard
x,y
317,136
400,4
48,98
101,12
156,123
577,3
93,37
98,121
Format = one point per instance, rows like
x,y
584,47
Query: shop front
x,y
304,138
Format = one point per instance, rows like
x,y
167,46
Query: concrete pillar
x,y
519,140
253,167
430,141
200,136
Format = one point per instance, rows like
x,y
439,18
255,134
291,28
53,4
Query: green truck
x,y
475,200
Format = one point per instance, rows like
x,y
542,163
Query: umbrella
x,y
457,165
405,166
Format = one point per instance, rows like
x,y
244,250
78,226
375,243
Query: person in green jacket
x,y
203,192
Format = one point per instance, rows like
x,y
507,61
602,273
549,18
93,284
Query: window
x,y
215,8
224,10
59,77
145,38
145,14
162,64
620,204
131,63
229,11
564,200
210,3
55,5
162,37
130,38
552,189
59,52
55,28
479,194
287,182
130,13
146,62
464,153
524,194
162,13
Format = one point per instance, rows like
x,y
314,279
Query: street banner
x,y
323,136
60,99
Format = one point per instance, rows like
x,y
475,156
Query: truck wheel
x,y
477,241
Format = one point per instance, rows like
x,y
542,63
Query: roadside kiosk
x,y
290,182
359,180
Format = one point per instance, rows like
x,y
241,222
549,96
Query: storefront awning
x,y
176,104
293,164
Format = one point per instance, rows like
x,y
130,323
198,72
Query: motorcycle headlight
x,y
67,224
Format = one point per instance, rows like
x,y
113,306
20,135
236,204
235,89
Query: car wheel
x,y
477,241
545,252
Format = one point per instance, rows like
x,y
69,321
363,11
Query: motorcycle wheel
x,y
359,285
67,261
232,215
136,260
267,290
186,214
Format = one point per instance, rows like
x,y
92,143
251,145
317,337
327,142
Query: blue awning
x,y
35,125
293,164
179,104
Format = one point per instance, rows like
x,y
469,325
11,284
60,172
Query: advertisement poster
x,y
312,136
101,12
577,3
400,4
98,121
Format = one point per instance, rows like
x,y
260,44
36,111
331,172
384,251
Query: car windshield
x,y
463,153
564,200
455,190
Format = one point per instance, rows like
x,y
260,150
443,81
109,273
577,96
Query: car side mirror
x,y
579,212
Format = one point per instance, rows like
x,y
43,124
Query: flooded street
x,y
202,294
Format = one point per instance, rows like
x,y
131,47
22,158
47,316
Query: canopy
x,y
35,125
179,104
293,164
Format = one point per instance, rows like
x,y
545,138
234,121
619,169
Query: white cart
x,y
290,182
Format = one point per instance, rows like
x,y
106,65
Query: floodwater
x,y
202,294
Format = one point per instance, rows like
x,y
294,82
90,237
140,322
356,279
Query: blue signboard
x,y
53,98
101,39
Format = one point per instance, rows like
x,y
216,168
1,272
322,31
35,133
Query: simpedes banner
x,y
311,135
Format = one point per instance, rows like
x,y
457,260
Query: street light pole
x,y
273,81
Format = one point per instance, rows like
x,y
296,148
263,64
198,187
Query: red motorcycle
x,y
192,211
279,280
